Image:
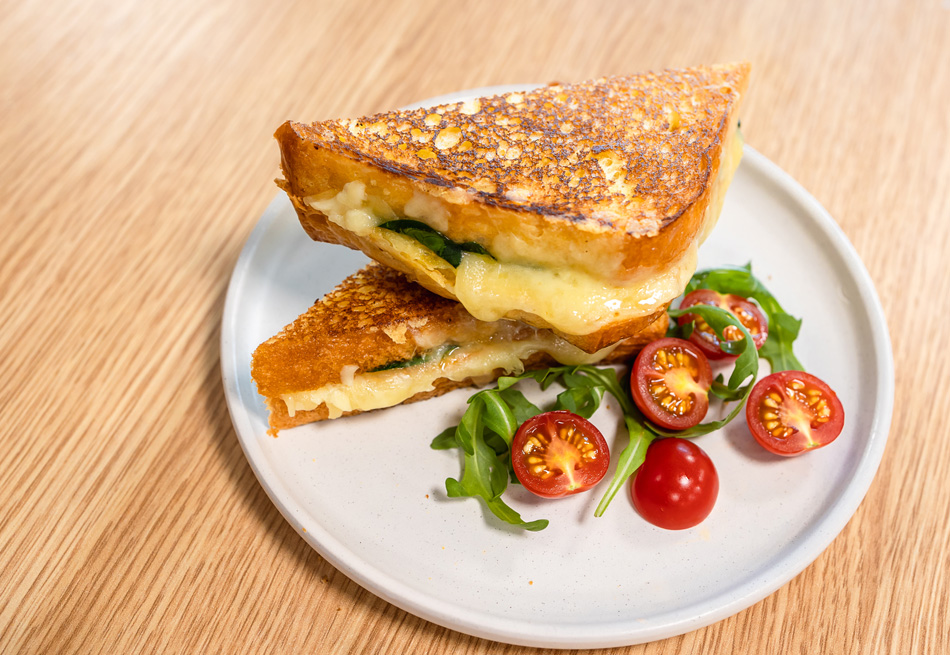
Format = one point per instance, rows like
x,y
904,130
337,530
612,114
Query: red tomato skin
x,y
677,485
641,375
797,443
557,486
709,343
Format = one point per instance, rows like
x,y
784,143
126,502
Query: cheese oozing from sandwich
x,y
568,299
479,360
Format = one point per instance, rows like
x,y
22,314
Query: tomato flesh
x,y
791,412
705,337
676,486
670,383
559,453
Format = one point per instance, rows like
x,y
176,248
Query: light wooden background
x,y
135,158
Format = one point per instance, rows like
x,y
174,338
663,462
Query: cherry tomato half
x,y
705,337
790,412
676,486
559,453
670,383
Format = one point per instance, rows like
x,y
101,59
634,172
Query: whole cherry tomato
x,y
676,486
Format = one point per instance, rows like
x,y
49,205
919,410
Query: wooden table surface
x,y
136,157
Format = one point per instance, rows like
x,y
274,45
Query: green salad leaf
x,y
487,425
446,440
629,460
434,240
724,392
520,406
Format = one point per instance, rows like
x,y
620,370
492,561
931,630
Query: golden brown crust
x,y
545,143
280,420
619,167
374,311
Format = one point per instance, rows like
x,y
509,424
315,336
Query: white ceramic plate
x,y
368,493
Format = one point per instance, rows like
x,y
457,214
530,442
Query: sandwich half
x,y
577,208
378,340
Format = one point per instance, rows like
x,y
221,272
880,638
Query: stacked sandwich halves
x,y
511,231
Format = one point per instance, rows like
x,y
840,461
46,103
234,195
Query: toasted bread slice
x,y
585,202
379,340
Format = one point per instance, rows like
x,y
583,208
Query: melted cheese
x,y
375,390
569,300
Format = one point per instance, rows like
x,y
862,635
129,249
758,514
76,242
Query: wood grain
x,y
135,158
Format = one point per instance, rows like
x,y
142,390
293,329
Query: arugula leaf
x,y
783,327
505,513
434,240
484,435
498,416
581,400
630,459
445,440
470,427
777,349
582,394
723,391
607,377
520,406
486,476
584,385
498,444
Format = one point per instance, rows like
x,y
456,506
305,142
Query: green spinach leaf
x,y
434,240
429,356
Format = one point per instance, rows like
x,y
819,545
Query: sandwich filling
x,y
499,282
395,383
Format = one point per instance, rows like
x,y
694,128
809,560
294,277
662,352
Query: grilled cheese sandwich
x,y
378,340
586,202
